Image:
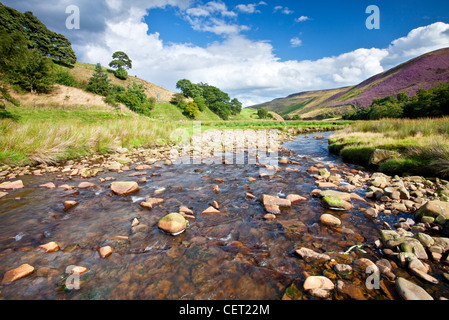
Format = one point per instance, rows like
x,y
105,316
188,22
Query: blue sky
x,y
254,50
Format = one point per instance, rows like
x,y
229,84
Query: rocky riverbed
x,y
139,225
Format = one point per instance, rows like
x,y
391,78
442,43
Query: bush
x,y
64,78
99,82
136,99
121,74
191,110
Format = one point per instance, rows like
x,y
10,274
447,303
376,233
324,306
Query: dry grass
x,y
36,142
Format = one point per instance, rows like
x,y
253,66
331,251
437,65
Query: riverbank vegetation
x,y
422,145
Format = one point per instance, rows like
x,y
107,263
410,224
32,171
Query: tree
x,y
46,42
120,63
262,113
35,74
99,82
191,110
136,99
121,60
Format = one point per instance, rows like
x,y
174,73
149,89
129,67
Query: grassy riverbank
x,y
423,145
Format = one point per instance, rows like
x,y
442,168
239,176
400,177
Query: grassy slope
x,y
423,145
426,71
83,71
306,104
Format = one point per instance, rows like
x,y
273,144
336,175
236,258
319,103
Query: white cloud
x,y
250,8
245,68
302,19
296,42
284,10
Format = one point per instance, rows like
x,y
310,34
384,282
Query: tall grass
x,y
48,142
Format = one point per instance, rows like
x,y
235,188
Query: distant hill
x,y
424,72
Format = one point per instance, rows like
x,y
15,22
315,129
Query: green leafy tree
x,y
179,100
46,42
121,74
262,113
121,60
191,110
136,99
36,74
121,63
99,83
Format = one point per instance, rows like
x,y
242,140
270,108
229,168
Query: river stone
x,y
380,155
351,290
49,185
69,204
414,246
12,185
105,251
124,188
294,198
372,213
434,209
334,193
343,268
307,254
426,240
330,220
410,291
18,273
86,185
318,282
379,182
210,210
173,223
319,293
336,203
50,247
3,194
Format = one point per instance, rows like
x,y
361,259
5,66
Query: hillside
x,y
424,72
83,71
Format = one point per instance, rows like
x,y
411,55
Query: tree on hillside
x,y
120,63
46,42
35,74
136,99
99,83
262,113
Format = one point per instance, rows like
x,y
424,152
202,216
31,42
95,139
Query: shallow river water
x,y
233,255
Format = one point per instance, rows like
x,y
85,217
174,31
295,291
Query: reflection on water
x,y
233,255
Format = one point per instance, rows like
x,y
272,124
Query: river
x,y
233,255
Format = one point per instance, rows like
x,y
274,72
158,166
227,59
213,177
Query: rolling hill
x,y
424,72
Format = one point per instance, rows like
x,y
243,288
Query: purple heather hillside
x,y
424,72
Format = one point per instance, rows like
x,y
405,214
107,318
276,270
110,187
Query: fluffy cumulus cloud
x,y
245,68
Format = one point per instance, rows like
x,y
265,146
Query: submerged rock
x,y
330,220
318,282
17,273
50,247
124,188
12,185
173,223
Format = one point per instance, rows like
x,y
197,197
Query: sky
x,y
254,50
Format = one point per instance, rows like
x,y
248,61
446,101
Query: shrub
x,y
121,73
64,78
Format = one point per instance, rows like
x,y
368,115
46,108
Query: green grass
x,y
422,143
48,135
